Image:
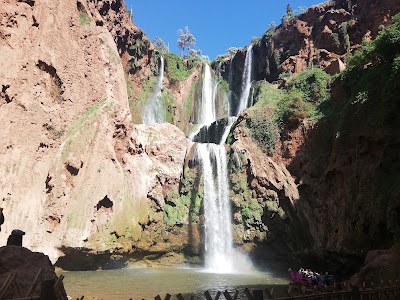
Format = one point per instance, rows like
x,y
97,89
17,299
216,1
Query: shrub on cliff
x,y
292,109
178,69
262,119
263,128
313,84
385,47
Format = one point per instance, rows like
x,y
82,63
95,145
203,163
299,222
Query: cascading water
x,y
154,110
217,223
220,256
246,81
208,112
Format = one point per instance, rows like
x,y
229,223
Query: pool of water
x,y
148,283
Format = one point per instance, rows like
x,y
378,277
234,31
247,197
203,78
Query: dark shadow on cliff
x,y
347,171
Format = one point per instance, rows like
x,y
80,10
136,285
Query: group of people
x,y
310,277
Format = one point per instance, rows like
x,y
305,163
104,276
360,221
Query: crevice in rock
x,y
4,94
57,90
80,7
49,186
43,145
35,22
29,2
72,169
105,202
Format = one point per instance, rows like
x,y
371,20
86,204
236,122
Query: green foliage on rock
x,y
176,209
384,48
313,84
136,105
263,128
177,69
84,18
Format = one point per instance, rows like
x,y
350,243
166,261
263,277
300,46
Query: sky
x,y
216,24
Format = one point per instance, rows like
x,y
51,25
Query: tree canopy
x,y
160,45
186,39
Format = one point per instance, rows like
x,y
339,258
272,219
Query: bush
x,y
385,47
292,108
314,85
263,128
178,69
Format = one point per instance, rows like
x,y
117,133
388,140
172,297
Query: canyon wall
x,y
77,174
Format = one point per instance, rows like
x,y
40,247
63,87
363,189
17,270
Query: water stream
x,y
154,111
246,81
220,255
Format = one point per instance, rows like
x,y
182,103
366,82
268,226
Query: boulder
x,y
26,264
336,66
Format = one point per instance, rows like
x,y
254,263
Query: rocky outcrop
x,y
264,193
78,174
379,265
26,264
318,36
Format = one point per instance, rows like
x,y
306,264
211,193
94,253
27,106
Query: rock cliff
x,y
77,173
87,181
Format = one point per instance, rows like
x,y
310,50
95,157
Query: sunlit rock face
x,y
76,172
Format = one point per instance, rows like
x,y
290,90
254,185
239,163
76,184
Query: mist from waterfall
x,y
154,111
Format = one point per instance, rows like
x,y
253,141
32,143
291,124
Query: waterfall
x,y
217,213
154,110
208,114
246,81
230,80
220,256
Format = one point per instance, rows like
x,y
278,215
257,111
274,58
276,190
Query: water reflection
x,y
147,283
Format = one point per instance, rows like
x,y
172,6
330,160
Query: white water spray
x,y
154,110
208,114
246,81
220,256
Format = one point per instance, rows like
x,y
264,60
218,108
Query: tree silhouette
x,y
186,39
160,45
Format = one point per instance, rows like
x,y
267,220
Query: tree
x,y
160,45
289,11
186,39
194,53
232,51
288,15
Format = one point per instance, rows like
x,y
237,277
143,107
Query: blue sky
x,y
216,25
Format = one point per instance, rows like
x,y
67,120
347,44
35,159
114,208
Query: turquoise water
x,y
148,283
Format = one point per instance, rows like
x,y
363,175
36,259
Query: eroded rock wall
x,y
76,172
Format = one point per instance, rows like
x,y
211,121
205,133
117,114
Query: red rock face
x,y
316,37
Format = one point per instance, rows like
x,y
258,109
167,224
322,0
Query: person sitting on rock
x,y
1,217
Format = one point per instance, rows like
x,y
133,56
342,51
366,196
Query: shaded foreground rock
x,y
379,265
25,264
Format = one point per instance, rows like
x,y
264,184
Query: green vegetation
x,y
263,128
185,205
175,209
136,107
377,62
169,106
137,50
313,84
275,109
177,69
84,18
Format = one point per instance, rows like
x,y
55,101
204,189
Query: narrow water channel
x,y
148,283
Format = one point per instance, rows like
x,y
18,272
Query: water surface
x,y
150,282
